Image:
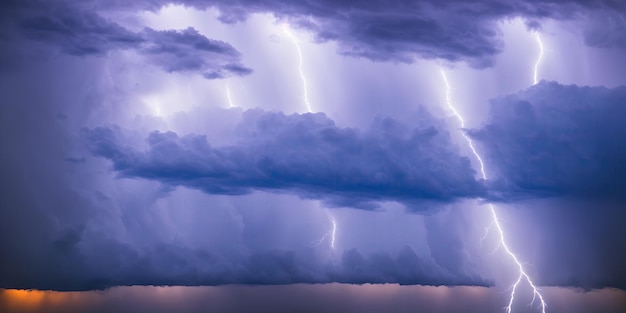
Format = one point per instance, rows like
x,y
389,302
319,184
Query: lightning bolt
x,y
333,231
330,233
523,276
538,38
230,99
302,77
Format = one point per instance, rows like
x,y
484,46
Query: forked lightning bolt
x,y
538,38
302,77
502,242
330,233
333,231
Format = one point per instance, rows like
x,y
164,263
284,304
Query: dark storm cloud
x,y
402,30
577,242
398,31
606,30
406,268
558,140
189,51
107,264
304,154
83,32
78,33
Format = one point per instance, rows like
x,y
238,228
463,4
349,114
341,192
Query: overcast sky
x,y
309,147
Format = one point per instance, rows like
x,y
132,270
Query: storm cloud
x,y
556,140
306,154
404,30
396,31
120,165
84,33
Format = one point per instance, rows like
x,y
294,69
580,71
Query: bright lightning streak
x,y
458,116
230,99
538,38
522,273
302,77
331,233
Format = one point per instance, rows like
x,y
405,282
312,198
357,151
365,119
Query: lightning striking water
x,y
538,38
502,242
302,77
230,99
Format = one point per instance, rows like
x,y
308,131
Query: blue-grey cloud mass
x,y
304,154
403,30
556,140
82,32
114,173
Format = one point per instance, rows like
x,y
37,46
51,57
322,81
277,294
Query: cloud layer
x,y
307,155
402,30
78,32
559,141
396,31
183,209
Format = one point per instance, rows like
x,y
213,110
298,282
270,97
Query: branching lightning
x,y
333,230
502,242
330,233
302,77
538,38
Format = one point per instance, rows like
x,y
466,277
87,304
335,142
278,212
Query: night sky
x,y
313,156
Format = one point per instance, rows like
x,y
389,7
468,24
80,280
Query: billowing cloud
x,y
606,29
88,206
107,264
305,154
558,140
400,31
81,32
189,51
397,31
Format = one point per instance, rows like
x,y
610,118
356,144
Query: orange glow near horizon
x,y
324,297
32,300
19,298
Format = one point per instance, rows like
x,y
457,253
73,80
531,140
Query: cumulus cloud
x,y
606,29
83,32
399,31
558,140
304,154
189,51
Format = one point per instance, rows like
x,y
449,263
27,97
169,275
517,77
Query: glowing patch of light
x,y
502,243
154,104
302,77
538,38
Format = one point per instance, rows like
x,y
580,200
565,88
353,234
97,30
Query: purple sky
x,y
307,147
